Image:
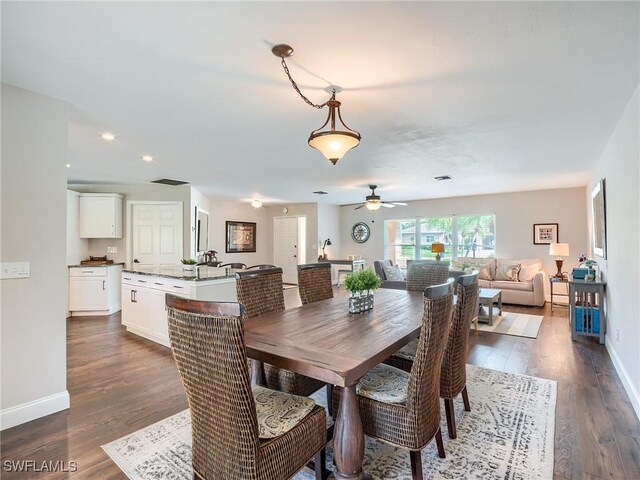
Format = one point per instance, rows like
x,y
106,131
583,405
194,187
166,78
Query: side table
x,y
554,280
586,303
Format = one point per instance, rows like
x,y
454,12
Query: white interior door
x,y
285,247
157,233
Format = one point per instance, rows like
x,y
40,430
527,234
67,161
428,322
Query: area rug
x,y
507,435
516,324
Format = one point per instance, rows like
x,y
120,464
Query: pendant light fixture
x,y
332,143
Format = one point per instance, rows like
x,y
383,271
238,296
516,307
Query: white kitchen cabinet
x,y
94,290
143,300
100,215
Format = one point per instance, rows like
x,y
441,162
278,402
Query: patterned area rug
x,y
507,435
516,324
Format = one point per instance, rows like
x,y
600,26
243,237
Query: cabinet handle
x,y
177,286
158,283
131,296
126,278
142,281
102,284
135,295
112,229
87,271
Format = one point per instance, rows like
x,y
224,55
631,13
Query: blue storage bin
x,y
587,319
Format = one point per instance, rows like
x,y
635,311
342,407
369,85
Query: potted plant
x,y
189,264
361,284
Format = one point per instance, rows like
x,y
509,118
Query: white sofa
x,y
528,290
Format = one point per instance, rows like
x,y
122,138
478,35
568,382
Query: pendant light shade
x,y
332,143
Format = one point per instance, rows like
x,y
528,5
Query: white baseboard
x,y
634,396
12,416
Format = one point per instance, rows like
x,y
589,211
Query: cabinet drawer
x,y
88,272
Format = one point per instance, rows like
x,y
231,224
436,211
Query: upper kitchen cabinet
x,y
100,215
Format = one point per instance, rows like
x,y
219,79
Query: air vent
x,y
168,181
321,192
442,177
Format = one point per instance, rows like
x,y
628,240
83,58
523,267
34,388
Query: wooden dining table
x,y
324,341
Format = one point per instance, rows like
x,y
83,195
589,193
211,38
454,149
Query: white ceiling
x,y
501,96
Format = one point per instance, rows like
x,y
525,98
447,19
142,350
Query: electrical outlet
x,y
15,270
112,249
617,334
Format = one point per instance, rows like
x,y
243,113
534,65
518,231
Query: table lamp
x,y
559,250
437,248
327,243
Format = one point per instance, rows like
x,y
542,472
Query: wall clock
x,y
360,232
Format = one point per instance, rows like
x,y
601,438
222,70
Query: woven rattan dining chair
x,y
239,266
402,408
231,437
260,291
314,282
424,273
453,374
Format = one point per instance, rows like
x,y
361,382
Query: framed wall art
x,y
241,237
599,220
545,233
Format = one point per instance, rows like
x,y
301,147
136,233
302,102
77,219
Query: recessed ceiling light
x,y
256,203
443,177
68,165
108,136
147,158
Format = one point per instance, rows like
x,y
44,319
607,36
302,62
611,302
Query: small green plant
x,y
362,280
189,261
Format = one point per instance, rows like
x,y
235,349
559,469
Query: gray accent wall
x,y
33,216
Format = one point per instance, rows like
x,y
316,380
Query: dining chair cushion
x,y
279,412
385,384
408,351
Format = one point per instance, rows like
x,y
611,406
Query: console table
x,y
586,304
355,265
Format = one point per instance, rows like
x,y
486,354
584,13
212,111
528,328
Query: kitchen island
x,y
144,288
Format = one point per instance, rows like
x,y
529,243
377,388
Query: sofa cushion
x,y
527,272
522,286
279,412
507,272
393,272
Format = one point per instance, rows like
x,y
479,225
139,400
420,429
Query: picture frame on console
x,y
241,237
545,233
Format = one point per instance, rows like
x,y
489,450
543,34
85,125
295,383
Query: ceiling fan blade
x,y
400,203
387,205
358,208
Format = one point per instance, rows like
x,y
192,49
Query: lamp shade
x,y
373,204
327,242
559,249
333,144
437,247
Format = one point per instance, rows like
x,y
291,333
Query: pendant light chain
x,y
295,87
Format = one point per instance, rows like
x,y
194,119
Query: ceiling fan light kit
x,y
332,143
373,201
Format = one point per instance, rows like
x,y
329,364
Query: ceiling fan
x,y
373,202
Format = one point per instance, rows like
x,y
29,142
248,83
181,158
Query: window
x,y
462,235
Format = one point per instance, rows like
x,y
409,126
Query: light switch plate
x,y
15,270
112,249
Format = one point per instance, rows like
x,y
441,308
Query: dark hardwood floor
x,y
120,383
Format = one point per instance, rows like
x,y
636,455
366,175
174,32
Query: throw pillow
x,y
508,273
527,272
393,272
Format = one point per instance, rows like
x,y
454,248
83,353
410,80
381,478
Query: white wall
x,y
619,165
202,202
148,193
329,227
222,211
77,248
515,215
33,220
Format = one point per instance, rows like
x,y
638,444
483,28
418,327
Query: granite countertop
x,y
199,274
96,266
